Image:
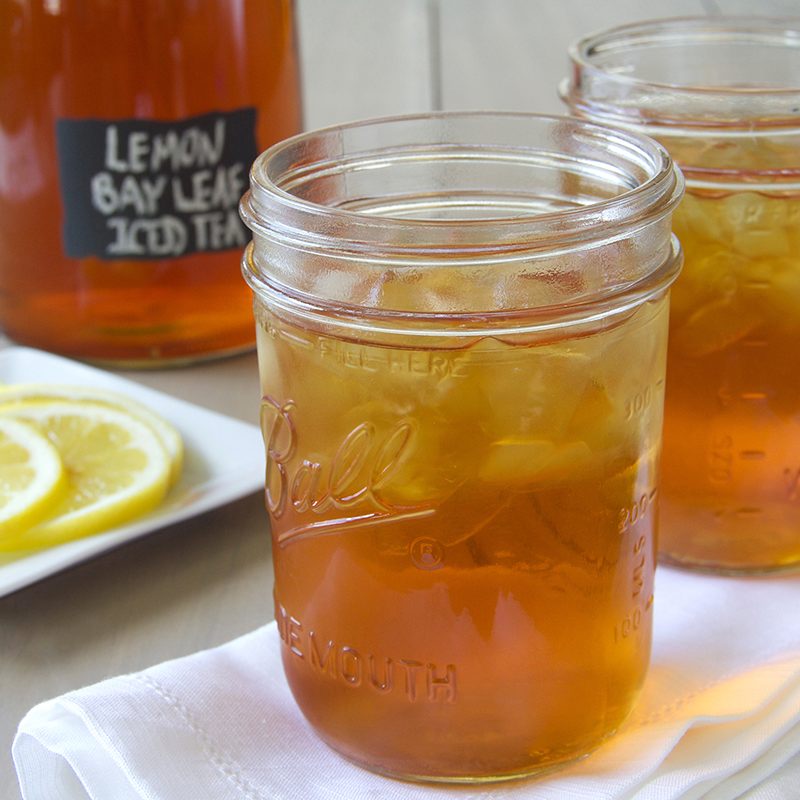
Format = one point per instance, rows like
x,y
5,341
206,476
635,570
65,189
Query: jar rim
x,y
461,325
273,211
722,102
526,220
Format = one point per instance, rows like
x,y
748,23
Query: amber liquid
x,y
731,461
464,540
120,59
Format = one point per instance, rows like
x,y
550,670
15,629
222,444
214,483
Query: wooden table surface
x,y
202,582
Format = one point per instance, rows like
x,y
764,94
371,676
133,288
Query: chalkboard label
x,y
141,189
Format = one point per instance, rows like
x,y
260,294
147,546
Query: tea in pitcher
x,y
127,130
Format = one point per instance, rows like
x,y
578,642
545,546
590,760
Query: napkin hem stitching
x,y
666,712
230,770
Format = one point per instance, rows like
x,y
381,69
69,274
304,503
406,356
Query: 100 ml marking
x,y
632,621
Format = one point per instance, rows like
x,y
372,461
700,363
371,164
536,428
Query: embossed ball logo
x,y
347,490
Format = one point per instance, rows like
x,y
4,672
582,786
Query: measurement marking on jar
x,y
628,625
791,477
628,517
761,285
748,511
753,396
721,458
632,621
752,455
638,576
639,402
754,342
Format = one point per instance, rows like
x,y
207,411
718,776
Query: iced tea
x,y
127,130
721,94
464,540
731,465
461,327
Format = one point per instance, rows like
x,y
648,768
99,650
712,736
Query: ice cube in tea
x,y
731,471
464,540
462,365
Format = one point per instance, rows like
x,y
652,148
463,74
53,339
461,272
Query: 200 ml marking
x,y
638,510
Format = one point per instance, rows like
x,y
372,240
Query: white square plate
x,y
224,460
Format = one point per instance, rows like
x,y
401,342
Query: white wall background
x,y
365,58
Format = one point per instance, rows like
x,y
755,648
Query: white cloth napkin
x,y
719,719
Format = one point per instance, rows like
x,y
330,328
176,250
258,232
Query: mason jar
x,y
461,324
723,95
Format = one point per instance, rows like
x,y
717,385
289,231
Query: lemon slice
x,y
117,469
47,392
31,476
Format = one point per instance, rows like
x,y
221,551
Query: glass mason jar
x,y
723,96
461,325
127,129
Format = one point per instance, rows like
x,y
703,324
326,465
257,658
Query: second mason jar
x,y
723,95
462,327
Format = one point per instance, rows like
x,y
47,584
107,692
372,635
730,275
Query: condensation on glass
x,y
462,327
723,95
